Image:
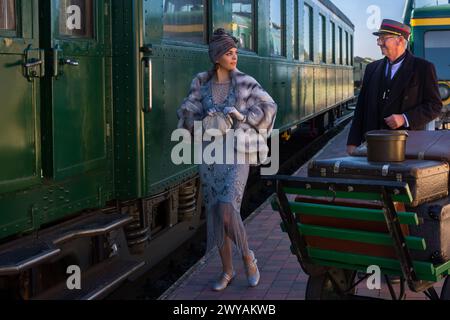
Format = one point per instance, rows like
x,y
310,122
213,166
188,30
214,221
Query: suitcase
x,y
427,180
435,229
421,145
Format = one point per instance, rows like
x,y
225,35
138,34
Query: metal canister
x,y
386,145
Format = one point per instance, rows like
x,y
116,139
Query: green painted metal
x,y
414,243
20,146
350,213
348,195
74,141
440,60
443,269
363,268
441,11
346,212
146,136
422,268
69,117
75,99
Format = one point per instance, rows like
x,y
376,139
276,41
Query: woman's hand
x,y
235,114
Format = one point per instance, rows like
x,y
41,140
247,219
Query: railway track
x,y
295,152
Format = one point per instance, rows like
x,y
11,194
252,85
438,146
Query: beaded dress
x,y
223,184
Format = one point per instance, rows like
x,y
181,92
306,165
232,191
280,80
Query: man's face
x,y
389,44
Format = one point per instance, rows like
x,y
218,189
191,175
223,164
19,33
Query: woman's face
x,y
229,60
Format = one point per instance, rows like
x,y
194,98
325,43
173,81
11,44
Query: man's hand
x,y
395,121
350,149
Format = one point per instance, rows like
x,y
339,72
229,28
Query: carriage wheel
x,y
445,293
322,287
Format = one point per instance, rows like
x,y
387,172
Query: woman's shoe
x,y
253,279
224,281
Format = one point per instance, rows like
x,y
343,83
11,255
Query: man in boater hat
x,y
398,92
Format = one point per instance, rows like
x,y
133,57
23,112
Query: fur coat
x,y
252,101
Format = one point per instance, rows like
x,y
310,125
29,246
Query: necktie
x,y
389,74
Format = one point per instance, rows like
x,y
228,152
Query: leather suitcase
x,y
427,180
421,145
435,229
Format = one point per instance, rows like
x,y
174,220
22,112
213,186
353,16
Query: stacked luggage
x,y
426,170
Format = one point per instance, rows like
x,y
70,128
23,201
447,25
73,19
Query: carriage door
x,y
76,88
21,66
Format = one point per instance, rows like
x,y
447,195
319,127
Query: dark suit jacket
x,y
415,93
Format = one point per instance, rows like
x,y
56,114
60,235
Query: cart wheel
x,y
322,288
445,293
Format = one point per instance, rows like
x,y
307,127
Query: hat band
x,y
390,31
396,27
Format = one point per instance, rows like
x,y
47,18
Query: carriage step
x,y
16,260
91,226
30,251
96,283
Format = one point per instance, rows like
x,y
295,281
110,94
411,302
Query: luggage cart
x,y
333,241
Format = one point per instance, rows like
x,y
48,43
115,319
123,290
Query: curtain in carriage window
x,y
7,15
76,18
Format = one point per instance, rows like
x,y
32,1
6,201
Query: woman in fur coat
x,y
230,94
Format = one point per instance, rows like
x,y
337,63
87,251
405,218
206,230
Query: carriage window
x,y
437,48
296,30
307,33
339,48
333,42
347,46
76,18
185,20
276,27
351,50
7,15
242,23
323,39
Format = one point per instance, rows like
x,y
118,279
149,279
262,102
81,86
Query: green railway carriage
x,y
88,93
430,22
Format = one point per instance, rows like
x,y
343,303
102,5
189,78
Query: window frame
x,y
340,42
254,27
17,31
333,41
310,9
283,30
207,26
323,38
352,50
296,30
347,47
